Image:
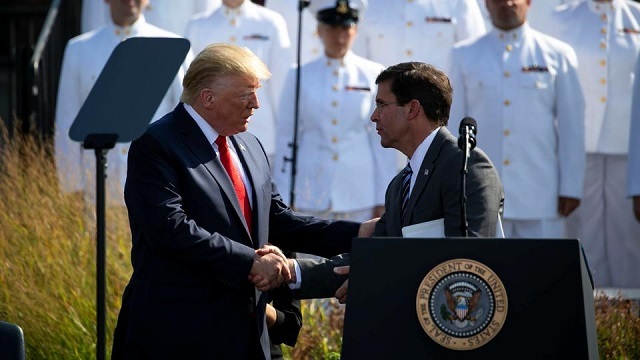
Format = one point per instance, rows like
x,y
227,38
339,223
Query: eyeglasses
x,y
380,105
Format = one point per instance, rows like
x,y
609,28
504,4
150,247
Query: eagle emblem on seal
x,y
462,304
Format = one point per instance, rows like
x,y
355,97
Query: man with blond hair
x,y
201,202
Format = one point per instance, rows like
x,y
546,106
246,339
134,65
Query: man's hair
x,y
423,82
217,60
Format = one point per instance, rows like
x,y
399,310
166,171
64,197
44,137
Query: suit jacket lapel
x,y
195,140
424,174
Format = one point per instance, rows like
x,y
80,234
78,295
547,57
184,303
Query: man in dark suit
x,y
201,202
411,115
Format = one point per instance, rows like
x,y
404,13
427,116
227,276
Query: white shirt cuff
x,y
296,285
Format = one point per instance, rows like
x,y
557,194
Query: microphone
x,y
467,130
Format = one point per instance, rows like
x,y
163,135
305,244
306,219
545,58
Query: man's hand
x,y
269,271
567,205
341,293
636,207
270,249
367,227
272,316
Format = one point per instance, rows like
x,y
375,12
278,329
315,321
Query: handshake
x,y
271,268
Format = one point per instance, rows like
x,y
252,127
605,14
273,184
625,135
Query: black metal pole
x,y
101,162
294,144
101,143
463,186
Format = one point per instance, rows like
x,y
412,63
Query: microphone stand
x,y
294,145
464,136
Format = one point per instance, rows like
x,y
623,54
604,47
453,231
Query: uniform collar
x,y
603,7
511,36
512,39
337,63
236,11
125,32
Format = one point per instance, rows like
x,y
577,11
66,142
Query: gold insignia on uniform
x,y
342,7
461,304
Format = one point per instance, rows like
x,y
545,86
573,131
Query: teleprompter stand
x,y
118,109
403,291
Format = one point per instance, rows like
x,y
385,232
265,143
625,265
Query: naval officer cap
x,y
341,12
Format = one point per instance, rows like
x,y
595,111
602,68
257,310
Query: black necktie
x,y
406,183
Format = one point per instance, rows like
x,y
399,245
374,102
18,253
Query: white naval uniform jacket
x,y
264,32
633,164
606,39
84,58
416,30
522,88
341,165
311,45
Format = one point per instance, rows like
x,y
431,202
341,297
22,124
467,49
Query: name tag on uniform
x,y
534,68
437,19
256,37
357,88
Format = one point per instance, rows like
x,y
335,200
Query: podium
x,y
469,298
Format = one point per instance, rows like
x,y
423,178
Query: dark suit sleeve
x,y
318,279
289,317
293,231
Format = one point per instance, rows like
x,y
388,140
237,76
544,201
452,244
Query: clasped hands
x,y
271,268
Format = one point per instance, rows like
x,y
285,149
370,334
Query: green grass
x,y
47,271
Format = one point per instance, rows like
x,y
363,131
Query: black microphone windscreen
x,y
468,121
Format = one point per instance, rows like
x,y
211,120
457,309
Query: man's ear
x,y
414,108
206,97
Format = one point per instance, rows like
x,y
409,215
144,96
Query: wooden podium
x,y
469,298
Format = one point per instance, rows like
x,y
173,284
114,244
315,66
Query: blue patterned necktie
x,y
406,183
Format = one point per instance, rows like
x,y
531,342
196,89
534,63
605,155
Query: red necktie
x,y
236,179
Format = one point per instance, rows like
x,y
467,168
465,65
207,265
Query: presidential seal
x,y
461,304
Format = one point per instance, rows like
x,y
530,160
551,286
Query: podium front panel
x,y
544,280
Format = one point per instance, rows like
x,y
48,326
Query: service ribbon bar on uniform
x,y
256,37
437,19
357,88
535,68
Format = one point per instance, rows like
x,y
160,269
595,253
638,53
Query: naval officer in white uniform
x,y
606,38
342,171
83,60
264,32
522,88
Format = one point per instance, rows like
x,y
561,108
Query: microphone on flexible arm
x,y
466,143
